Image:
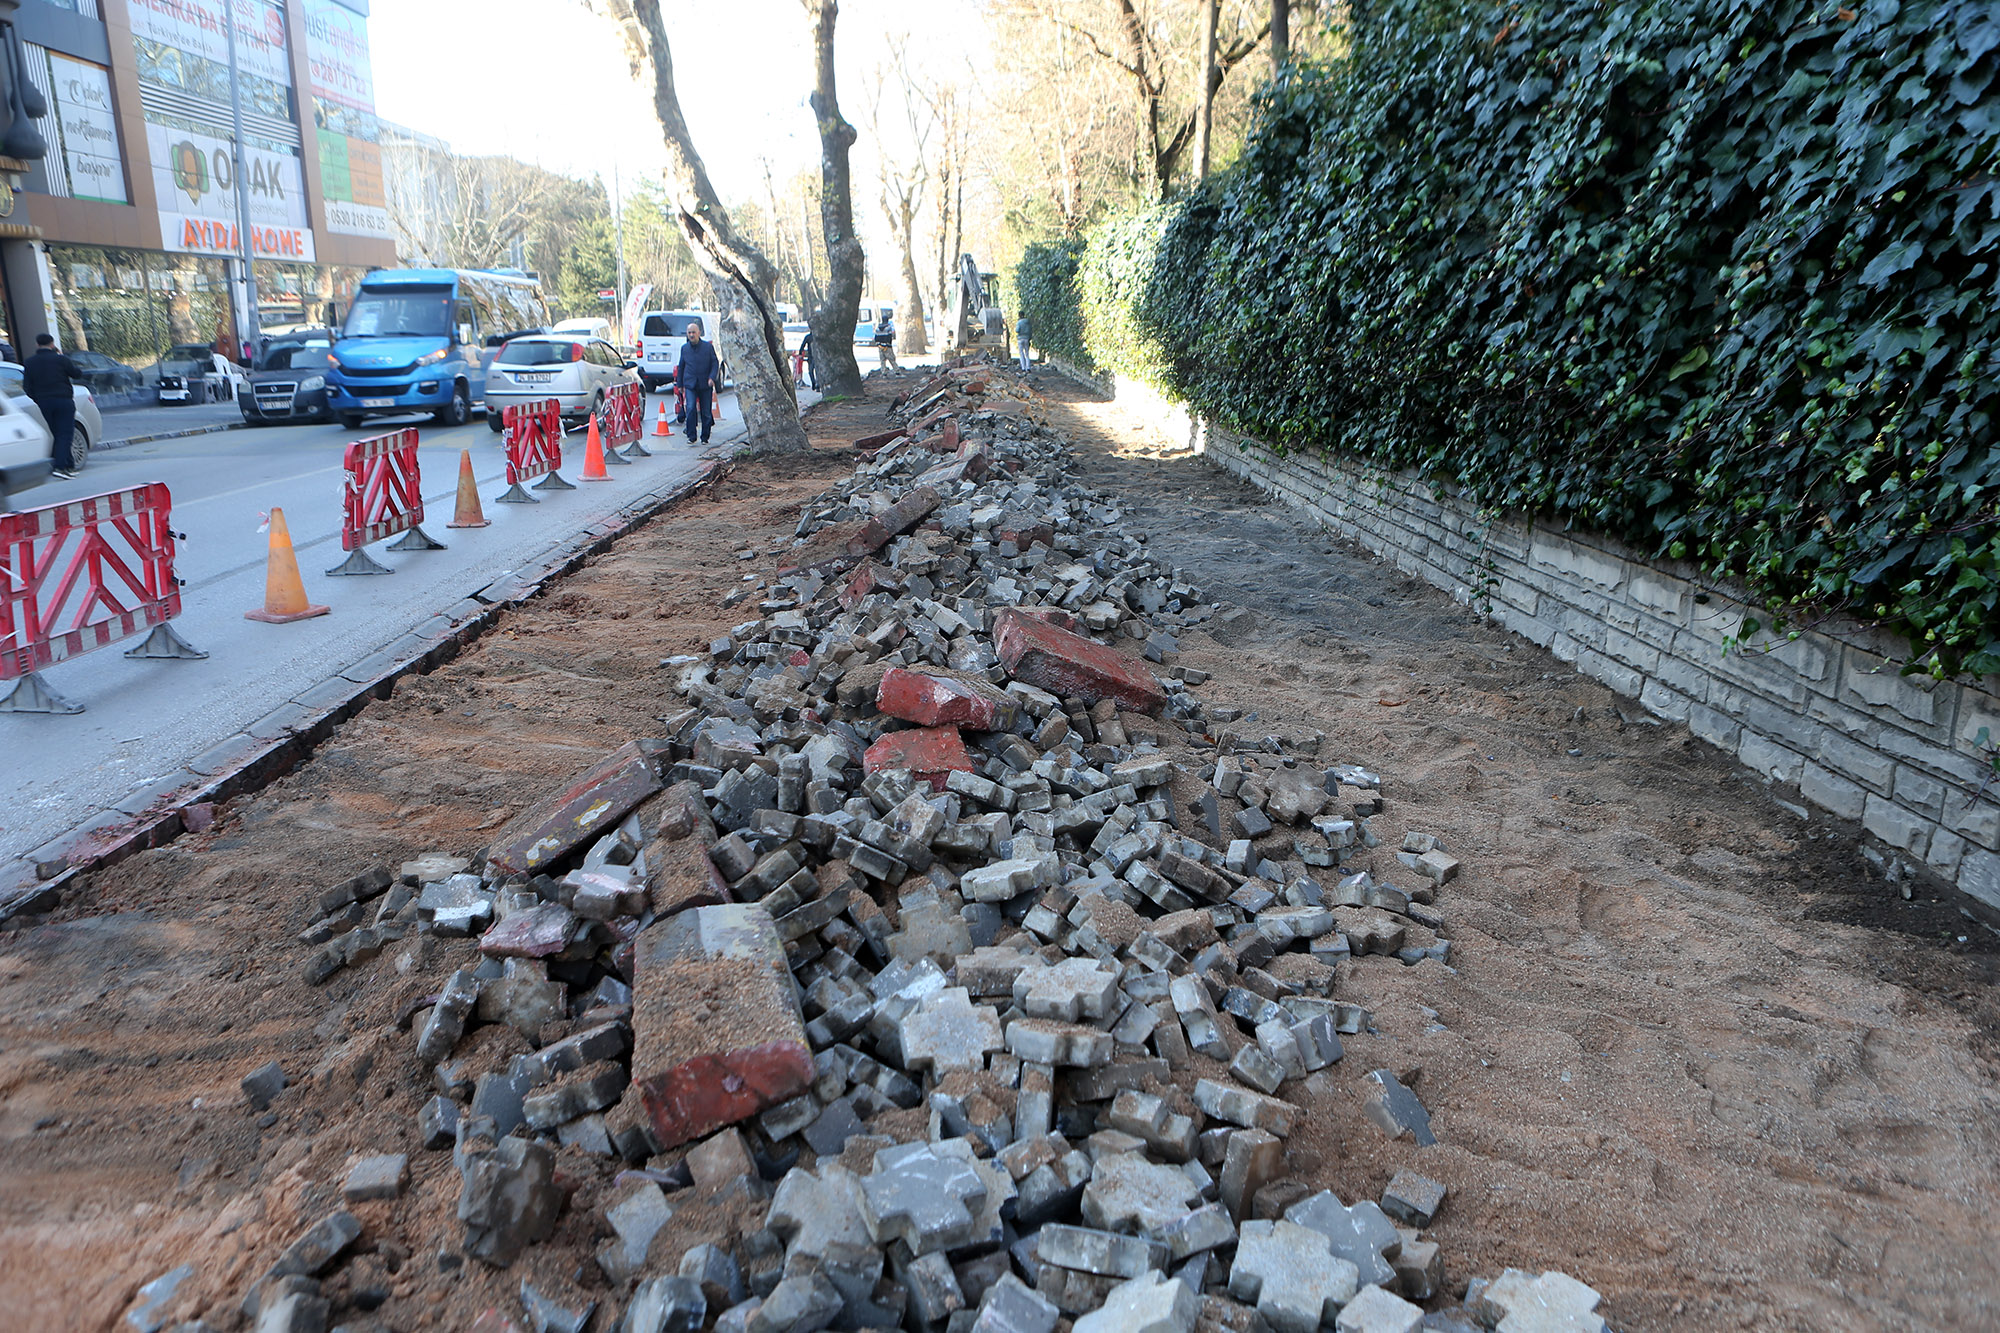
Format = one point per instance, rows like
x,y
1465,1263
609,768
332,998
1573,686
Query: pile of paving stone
x,y
978,971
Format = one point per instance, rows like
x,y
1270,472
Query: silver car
x,y
577,372
89,421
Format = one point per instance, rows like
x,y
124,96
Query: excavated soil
x,y
1691,1047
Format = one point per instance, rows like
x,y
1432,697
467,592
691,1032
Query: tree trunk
x,y
1205,108
1281,35
738,269
833,319
910,336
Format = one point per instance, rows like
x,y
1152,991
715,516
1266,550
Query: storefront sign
x,y
196,26
343,91
194,180
87,129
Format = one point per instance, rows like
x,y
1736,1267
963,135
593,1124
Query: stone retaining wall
x,y
1823,710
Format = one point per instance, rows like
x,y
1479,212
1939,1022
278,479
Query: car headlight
x,y
311,383
432,358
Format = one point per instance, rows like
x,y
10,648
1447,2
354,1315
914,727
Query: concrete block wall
x,y
1822,710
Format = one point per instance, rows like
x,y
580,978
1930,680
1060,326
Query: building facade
x,y
122,239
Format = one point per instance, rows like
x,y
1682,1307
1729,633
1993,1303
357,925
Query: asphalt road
x,y
146,719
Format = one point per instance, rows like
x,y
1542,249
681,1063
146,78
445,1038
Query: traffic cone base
x,y
593,455
284,591
469,514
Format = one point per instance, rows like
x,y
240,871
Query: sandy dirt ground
x,y
1691,1047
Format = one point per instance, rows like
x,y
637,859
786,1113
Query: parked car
x,y
24,448
589,327
288,379
89,421
661,334
197,373
104,375
575,372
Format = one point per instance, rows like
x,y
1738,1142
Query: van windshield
x,y
401,311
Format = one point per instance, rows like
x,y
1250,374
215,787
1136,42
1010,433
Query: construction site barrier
x,y
80,576
625,419
533,439
383,496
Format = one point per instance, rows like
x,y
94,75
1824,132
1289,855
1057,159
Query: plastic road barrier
x,y
533,440
79,576
383,496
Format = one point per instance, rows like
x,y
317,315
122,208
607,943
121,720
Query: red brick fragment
x,y
870,577
717,1036
929,753
936,701
894,521
1069,665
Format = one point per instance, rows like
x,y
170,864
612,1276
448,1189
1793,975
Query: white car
x,y
576,372
24,449
197,373
795,336
89,421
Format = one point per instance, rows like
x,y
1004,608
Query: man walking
x,y
885,341
700,373
47,376
1021,331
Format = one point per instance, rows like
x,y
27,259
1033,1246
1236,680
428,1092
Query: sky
x,y
547,81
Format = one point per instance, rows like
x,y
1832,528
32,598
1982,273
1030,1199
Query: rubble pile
x,y
974,972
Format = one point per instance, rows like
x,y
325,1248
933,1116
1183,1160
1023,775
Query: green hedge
x,y
1045,283
1718,280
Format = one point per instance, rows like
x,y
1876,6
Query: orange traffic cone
x,y
593,455
662,427
284,592
469,514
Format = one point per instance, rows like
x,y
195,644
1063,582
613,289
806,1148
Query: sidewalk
x,y
126,426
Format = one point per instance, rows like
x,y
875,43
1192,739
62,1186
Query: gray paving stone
x,y
1150,1303
1395,1110
1291,1275
1552,1302
1362,1235
636,1218
1012,1306
1240,1106
1049,1042
1102,1252
946,1031
550,1316
814,1213
1412,1199
381,1176
1072,990
923,1195
1374,1310
666,1305
1129,1194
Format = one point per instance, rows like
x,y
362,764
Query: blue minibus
x,y
420,340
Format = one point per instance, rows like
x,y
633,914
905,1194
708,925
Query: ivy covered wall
x,y
1718,281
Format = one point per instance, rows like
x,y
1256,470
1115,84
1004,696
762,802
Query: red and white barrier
x,y
533,439
80,576
383,496
625,419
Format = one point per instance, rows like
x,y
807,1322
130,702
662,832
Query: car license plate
x,y
533,378
378,402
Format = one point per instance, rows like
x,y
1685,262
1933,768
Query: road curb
x,y
169,435
153,815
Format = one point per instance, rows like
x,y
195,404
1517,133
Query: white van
x,y
661,333
583,330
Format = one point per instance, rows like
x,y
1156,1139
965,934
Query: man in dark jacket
x,y
47,376
700,374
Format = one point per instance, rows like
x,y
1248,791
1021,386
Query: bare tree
x,y
834,317
903,181
1204,106
743,278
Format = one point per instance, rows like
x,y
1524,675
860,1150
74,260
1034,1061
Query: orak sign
x,y
195,186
